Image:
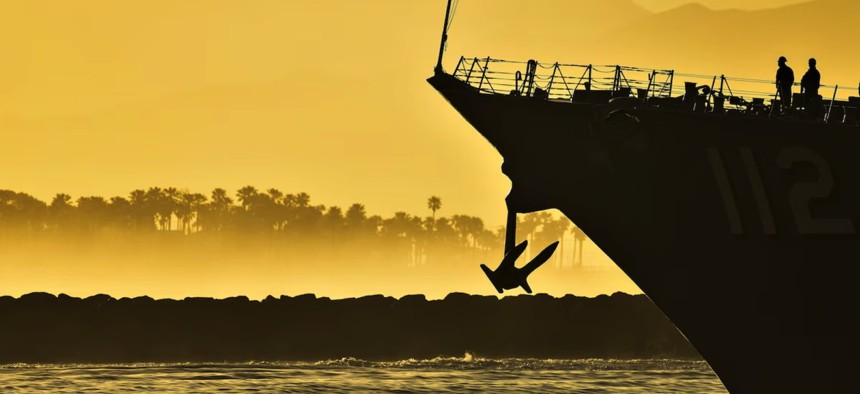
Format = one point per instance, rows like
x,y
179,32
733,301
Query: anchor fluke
x,y
507,276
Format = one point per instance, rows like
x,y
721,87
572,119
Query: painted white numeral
x,y
800,196
802,193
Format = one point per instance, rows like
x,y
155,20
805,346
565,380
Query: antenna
x,y
438,69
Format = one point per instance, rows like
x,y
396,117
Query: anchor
x,y
507,276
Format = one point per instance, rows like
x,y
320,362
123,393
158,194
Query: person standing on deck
x,y
809,85
784,81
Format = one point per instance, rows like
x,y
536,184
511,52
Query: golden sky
x,y
328,97
99,97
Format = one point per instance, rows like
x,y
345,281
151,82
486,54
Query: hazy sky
x,y
328,97
100,97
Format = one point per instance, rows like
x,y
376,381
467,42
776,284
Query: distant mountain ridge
x,y
727,4
537,28
745,43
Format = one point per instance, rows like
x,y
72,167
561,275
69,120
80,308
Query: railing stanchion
x,y
830,108
471,68
651,78
459,62
623,78
671,81
711,92
484,73
564,80
616,82
551,78
588,87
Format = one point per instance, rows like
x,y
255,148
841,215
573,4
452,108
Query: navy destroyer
x,y
734,212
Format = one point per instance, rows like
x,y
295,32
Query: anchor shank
x,y
510,231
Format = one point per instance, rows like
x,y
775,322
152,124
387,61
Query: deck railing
x,y
568,82
560,81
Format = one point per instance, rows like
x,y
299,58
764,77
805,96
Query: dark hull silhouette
x,y
739,228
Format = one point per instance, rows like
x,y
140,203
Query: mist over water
x,y
274,247
165,268
456,375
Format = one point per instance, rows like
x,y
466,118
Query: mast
x,y
438,69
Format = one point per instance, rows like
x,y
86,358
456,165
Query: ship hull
x,y
741,229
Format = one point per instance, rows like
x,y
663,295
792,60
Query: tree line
x,y
250,211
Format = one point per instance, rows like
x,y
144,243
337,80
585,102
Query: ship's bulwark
x,y
741,229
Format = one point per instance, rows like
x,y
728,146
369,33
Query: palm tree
x,y
563,228
142,210
23,210
172,200
61,200
476,227
374,224
120,213
275,194
407,230
415,231
220,198
302,217
157,203
445,233
302,200
468,228
219,208
552,230
246,196
398,225
462,225
489,240
578,238
7,206
429,225
182,210
434,203
357,223
275,214
196,200
188,208
356,215
335,220
93,212
527,226
60,210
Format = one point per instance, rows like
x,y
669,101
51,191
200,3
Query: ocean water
x,y
439,375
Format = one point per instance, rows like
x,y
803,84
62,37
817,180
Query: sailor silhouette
x,y
784,81
809,85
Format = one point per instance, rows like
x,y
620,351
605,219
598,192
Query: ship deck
x,y
660,89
